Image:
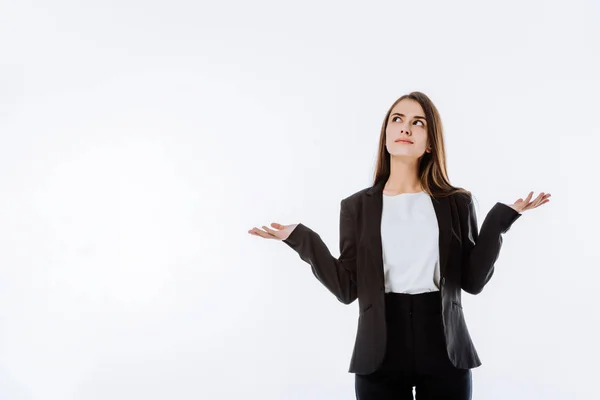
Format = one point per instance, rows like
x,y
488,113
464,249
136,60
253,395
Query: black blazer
x,y
467,258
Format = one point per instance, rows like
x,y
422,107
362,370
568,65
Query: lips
x,y
403,141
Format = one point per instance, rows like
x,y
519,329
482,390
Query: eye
x,y
418,120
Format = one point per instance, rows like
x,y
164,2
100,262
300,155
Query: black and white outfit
x,y
406,259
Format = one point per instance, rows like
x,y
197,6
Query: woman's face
x,y
406,132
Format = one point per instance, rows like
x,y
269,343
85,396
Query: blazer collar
x,y
373,210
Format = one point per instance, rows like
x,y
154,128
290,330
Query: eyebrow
x,y
402,115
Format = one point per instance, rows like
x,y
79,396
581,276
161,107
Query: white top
x,y
409,235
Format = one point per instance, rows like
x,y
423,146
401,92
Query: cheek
x,y
390,133
422,137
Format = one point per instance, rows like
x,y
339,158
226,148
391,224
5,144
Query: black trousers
x,y
416,355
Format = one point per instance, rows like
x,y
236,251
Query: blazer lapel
x,y
373,212
444,217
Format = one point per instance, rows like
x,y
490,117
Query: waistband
x,y
419,301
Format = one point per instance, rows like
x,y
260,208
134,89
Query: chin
x,y
405,155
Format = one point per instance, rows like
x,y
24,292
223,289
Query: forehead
x,y
408,107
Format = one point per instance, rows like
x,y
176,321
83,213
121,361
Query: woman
x,y
408,245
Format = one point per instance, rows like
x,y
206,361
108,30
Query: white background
x,y
140,140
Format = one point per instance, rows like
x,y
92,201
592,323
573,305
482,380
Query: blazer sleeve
x,y
481,249
336,274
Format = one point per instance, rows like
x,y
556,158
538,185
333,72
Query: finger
x,y
261,233
533,203
544,200
266,228
270,231
267,235
254,231
539,199
277,226
537,205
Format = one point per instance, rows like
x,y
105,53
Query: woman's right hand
x,y
281,232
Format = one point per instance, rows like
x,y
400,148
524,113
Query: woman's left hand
x,y
528,204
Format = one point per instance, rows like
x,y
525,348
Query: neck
x,y
404,176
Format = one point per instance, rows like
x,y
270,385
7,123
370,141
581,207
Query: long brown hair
x,y
433,173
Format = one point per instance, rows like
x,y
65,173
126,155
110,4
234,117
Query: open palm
x,y
281,232
523,205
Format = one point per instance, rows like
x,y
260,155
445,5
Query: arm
x,y
336,274
481,249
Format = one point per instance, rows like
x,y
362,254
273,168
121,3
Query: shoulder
x,y
464,203
462,196
356,197
354,201
461,199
